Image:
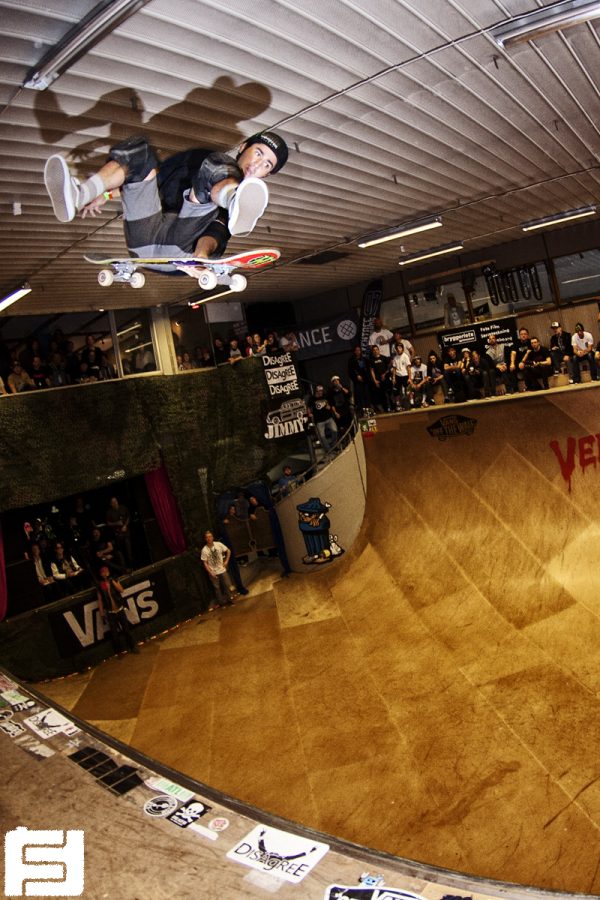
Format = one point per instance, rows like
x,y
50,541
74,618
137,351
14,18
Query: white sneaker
x,y
62,187
247,205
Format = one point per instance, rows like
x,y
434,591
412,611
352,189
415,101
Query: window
x,y
438,305
497,292
578,275
134,339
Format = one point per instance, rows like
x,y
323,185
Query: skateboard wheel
x,y
207,281
238,283
137,280
105,277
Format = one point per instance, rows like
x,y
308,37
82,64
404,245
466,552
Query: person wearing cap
x,y
420,389
561,349
583,351
190,204
340,399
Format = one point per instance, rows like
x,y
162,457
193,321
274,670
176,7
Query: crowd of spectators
x,y
393,377
234,349
34,368
68,548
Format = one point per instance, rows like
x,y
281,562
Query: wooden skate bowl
x,y
434,693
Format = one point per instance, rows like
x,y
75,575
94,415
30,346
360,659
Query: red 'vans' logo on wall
x,y
583,451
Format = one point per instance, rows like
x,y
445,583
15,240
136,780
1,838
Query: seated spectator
x,y
93,364
399,374
26,356
583,351
323,415
65,569
474,374
435,374
453,373
44,578
340,399
39,374
420,390
561,350
235,354
287,482
497,365
85,376
19,380
103,553
220,351
538,366
289,342
358,372
203,358
90,344
518,358
57,370
381,382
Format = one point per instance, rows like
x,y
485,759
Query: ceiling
x,y
393,110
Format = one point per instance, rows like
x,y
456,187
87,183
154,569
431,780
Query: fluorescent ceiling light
x,y
16,295
428,254
559,218
195,303
134,327
139,347
398,231
544,21
99,22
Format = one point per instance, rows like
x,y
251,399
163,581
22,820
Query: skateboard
x,y
217,271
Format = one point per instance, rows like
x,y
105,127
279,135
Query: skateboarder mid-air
x,y
188,205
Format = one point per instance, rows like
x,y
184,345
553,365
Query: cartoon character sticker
x,y
314,524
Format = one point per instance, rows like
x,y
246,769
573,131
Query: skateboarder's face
x,y
257,161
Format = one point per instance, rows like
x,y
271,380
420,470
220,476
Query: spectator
x,y
93,364
247,347
57,370
398,339
215,557
40,567
64,568
420,391
272,342
518,358
453,373
287,482
435,374
19,380
103,553
289,342
231,516
235,354
186,362
358,371
381,384
220,351
117,517
454,315
583,351
3,391
259,347
340,400
203,358
90,344
241,506
26,356
112,610
323,416
399,373
39,374
381,337
472,374
497,365
143,361
561,350
538,366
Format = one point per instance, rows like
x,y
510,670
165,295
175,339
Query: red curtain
x,y
3,592
165,510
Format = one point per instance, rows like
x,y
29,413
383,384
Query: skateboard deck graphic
x,y
217,271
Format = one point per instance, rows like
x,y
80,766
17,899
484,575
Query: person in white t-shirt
x,y
381,337
215,557
420,389
399,369
583,351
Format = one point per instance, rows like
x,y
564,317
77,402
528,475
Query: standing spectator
x,y
340,399
358,372
186,362
103,553
453,314
497,365
561,349
19,379
538,366
259,347
118,518
112,610
215,557
90,344
235,354
380,337
397,338
399,374
583,351
323,416
381,384
289,342
220,351
287,481
203,359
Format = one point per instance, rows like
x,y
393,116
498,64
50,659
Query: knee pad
x,y
216,167
137,157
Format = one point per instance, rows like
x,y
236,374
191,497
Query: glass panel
x,y
434,305
394,314
578,275
134,338
497,292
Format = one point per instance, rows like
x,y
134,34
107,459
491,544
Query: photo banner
x,y
475,336
285,410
